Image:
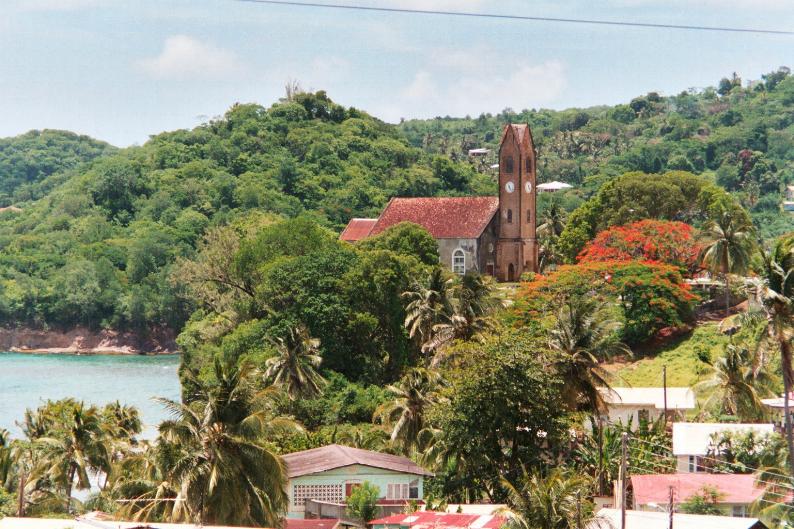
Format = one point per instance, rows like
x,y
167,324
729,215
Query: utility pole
x,y
623,456
671,508
664,385
600,455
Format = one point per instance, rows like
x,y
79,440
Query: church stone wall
x,y
446,247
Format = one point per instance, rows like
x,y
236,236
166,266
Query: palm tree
x,y
406,413
428,304
76,445
552,221
728,248
122,421
224,471
557,501
737,385
777,296
294,368
472,303
585,336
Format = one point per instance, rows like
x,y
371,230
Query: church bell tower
x,y
517,246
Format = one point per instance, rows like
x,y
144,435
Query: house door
x,y
511,273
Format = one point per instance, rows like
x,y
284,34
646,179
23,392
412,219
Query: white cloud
x,y
59,5
464,90
186,57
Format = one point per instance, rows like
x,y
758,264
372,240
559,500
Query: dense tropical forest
x,y
292,339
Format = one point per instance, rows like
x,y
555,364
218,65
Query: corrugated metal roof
x,y
316,523
338,456
443,217
357,229
693,438
428,519
655,488
677,398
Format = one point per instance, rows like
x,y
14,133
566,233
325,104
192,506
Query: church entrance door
x,y
511,273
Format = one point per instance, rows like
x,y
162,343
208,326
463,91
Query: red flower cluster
x,y
663,241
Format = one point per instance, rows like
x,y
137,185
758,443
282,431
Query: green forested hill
x,y
26,161
97,248
740,137
100,228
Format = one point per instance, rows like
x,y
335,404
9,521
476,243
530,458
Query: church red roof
x,y
357,229
444,218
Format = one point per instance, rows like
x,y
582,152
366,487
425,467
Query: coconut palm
x,y
737,386
223,470
585,336
123,422
410,400
556,501
428,304
75,446
552,220
472,303
294,368
728,248
777,295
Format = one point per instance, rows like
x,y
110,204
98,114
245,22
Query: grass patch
x,y
688,360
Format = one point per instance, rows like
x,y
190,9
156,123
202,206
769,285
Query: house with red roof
x,y
438,520
650,492
489,235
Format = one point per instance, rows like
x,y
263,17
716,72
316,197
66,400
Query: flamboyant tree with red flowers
x,y
664,241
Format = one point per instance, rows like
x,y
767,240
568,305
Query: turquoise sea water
x,y
27,380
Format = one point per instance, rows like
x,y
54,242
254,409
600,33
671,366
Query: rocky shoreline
x,y
85,341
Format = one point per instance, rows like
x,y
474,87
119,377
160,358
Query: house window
x,y
413,490
643,416
508,163
403,491
459,262
509,216
328,493
739,511
693,464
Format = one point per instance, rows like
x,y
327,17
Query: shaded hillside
x,y
742,137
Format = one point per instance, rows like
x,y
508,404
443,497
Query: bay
x,y
28,380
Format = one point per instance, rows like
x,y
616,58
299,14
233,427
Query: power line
x,y
598,22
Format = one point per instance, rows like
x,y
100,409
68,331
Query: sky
x,y
121,71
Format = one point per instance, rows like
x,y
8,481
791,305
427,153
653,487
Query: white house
x,y
776,407
321,479
646,404
551,187
611,519
691,441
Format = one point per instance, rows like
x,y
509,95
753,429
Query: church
x,y
489,235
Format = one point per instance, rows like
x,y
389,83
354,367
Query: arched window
x,y
529,215
509,216
459,262
529,164
508,164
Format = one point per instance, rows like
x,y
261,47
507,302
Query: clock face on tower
x,y
528,187
510,187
